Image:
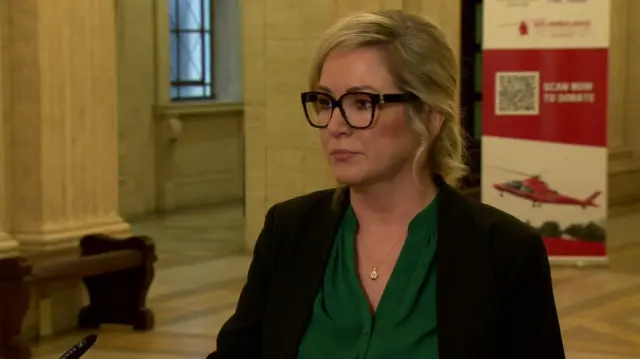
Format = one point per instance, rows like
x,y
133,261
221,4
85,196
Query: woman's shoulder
x,y
500,223
311,217
321,200
303,211
509,238
485,220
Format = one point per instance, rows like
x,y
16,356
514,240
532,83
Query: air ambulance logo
x,y
523,28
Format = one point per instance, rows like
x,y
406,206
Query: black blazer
x,y
494,293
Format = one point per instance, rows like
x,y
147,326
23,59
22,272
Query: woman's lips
x,y
342,155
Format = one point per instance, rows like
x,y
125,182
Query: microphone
x,y
79,349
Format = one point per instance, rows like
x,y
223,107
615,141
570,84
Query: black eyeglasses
x,y
357,108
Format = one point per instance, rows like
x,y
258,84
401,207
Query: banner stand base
x,y
579,262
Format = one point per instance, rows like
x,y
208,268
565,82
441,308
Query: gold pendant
x,y
374,274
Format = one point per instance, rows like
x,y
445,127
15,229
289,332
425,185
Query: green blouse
x,y
404,325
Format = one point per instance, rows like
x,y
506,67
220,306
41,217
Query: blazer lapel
x,y
466,306
451,226
313,241
451,235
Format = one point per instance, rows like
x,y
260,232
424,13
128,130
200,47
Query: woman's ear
x,y
435,120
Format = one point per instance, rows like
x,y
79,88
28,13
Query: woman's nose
x,y
337,124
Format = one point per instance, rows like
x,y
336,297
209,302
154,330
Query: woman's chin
x,y
349,178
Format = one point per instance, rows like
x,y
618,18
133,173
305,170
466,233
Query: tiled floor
x,y
202,268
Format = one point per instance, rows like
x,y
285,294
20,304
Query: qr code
x,y
517,93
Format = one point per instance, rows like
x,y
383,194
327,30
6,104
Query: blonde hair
x,y
421,61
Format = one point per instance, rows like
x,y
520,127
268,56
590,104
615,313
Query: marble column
x,y
8,246
632,88
63,155
618,129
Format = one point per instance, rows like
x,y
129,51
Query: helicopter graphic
x,y
534,189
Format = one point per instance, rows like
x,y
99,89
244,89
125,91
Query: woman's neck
x,y
391,204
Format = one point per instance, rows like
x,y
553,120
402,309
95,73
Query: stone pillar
x,y
632,84
8,246
618,130
283,156
64,180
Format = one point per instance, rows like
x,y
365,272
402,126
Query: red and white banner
x,y
544,143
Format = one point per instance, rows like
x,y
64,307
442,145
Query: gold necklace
x,y
374,273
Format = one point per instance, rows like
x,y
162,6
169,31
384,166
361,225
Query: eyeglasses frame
x,y
376,100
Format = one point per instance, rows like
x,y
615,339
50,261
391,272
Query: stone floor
x,y
202,268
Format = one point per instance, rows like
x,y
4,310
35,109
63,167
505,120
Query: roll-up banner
x,y
544,120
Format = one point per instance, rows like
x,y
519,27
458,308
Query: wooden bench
x,y
117,274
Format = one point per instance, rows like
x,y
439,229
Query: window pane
x,y
207,58
190,92
479,24
190,48
173,23
207,14
173,49
477,81
190,14
477,120
190,57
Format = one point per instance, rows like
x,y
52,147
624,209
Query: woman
x,y
395,263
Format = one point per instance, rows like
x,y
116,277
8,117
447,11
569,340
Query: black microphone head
x,y
79,349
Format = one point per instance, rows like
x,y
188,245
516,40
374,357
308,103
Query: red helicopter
x,y
536,190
